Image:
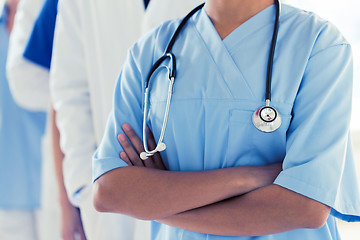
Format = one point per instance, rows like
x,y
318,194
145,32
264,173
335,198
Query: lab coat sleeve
x,y
29,83
70,95
319,162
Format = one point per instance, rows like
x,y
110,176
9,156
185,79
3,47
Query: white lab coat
x,y
29,82
90,44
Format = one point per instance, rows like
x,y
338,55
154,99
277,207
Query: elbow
x,y
108,196
316,215
101,200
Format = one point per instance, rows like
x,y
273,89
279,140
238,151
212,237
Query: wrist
x,y
249,178
266,175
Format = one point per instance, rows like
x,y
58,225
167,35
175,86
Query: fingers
x,y
152,145
133,137
138,145
133,146
131,156
125,158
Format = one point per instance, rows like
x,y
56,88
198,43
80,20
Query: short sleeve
x,y
319,162
127,108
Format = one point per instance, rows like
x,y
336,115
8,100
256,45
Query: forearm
x,y
58,160
264,211
147,193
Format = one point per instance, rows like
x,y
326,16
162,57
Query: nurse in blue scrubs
x,y
20,155
222,177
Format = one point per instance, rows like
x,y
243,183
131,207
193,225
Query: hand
x,y
132,151
71,225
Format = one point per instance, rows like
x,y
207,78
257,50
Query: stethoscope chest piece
x,y
266,119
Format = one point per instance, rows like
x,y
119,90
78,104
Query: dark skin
x,y
131,154
235,201
199,219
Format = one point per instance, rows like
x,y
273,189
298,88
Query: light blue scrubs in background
x,y
20,144
220,83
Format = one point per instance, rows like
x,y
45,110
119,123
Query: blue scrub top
x,y
218,86
40,44
21,132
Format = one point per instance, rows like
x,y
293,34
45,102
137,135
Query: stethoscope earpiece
x,y
161,147
144,156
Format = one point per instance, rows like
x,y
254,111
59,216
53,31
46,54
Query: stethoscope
x,y
266,118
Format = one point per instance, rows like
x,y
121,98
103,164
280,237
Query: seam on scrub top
x,y
131,53
282,19
140,70
345,204
327,48
210,55
302,181
241,73
234,48
232,100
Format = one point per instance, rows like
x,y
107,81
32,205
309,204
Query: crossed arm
x,y
237,201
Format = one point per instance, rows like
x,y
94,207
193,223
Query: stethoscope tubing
x,y
272,53
172,74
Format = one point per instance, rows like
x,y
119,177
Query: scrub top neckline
x,y
221,56
264,18
253,24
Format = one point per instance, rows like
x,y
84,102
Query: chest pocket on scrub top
x,y
247,146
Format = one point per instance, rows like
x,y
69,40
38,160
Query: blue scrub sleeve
x,y
319,162
39,47
128,103
127,109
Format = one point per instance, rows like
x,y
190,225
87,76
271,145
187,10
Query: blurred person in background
x,y
90,44
20,147
30,84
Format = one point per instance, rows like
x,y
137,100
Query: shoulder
x,y
310,27
153,44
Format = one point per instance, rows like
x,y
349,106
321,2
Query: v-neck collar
x,y
252,25
220,50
